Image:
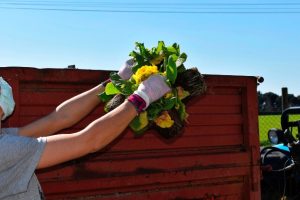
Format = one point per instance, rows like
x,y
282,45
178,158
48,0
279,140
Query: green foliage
x,y
180,60
266,122
158,56
169,62
168,104
171,69
111,89
104,97
124,87
155,109
139,123
181,110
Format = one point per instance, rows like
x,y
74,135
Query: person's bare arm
x,y
98,134
95,136
65,115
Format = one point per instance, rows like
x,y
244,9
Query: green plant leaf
x,y
138,60
124,86
177,47
168,104
143,51
104,97
139,123
160,47
171,69
182,112
181,69
181,59
143,56
171,50
110,89
154,109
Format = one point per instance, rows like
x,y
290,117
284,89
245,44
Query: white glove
x,y
152,89
125,71
7,102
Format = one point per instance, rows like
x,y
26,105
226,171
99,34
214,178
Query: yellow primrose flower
x,y
182,93
164,120
168,95
144,72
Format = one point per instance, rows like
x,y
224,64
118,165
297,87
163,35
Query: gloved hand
x,y
149,91
7,102
125,72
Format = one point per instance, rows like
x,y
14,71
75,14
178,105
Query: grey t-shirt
x,y
19,157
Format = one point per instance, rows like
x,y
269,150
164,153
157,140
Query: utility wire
x,y
149,6
163,8
152,11
138,3
181,5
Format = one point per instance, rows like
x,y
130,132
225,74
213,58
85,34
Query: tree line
x,y
271,102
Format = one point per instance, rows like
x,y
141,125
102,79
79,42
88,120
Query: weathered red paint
x,y
217,156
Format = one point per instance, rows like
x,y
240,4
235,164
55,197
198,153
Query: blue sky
x,y
254,44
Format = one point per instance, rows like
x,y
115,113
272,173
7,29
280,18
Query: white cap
x,y
7,102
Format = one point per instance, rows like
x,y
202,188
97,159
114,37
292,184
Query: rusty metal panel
x,y
217,156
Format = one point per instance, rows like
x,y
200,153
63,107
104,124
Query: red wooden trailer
x,y
217,156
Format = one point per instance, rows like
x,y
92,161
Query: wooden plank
x,y
215,100
154,143
215,119
42,98
150,181
212,130
214,109
144,162
226,191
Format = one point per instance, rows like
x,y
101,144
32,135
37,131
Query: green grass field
x,y
267,122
